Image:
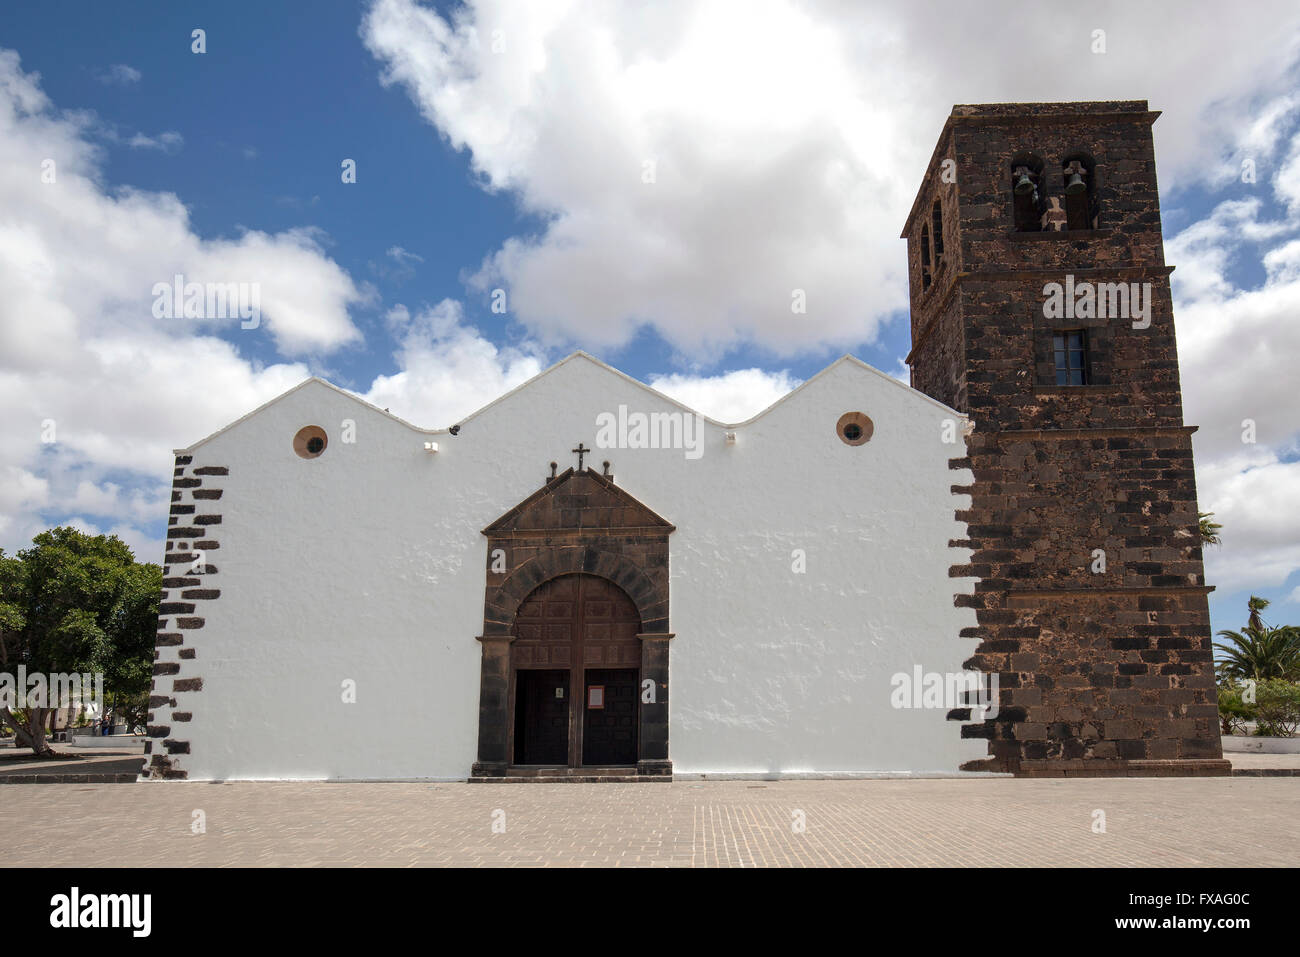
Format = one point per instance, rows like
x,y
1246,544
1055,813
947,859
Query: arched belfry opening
x,y
574,678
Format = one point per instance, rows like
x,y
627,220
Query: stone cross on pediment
x,y
581,450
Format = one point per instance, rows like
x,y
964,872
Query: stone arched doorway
x,y
576,587
575,669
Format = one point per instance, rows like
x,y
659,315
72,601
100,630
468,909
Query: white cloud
x,y
1260,140
1237,350
168,142
403,267
110,499
403,257
119,74
21,492
448,369
1286,182
79,346
787,140
1261,529
732,397
127,512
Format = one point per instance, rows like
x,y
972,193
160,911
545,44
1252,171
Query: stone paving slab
x,y
98,766
994,822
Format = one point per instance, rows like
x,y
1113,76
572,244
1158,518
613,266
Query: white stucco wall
x,y
367,563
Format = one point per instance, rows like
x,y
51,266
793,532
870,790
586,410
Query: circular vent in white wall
x,y
310,441
855,428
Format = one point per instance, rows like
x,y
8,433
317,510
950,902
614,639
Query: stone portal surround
x,y
578,522
186,590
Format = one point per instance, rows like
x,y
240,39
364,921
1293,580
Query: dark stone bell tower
x,y
1040,306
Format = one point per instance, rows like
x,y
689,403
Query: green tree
x,y
1255,606
1277,708
75,604
1259,650
1234,712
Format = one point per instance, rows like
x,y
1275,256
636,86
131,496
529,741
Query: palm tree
x,y
1260,651
1209,529
1256,605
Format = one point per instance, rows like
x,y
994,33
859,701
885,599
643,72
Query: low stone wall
x,y
1251,744
119,741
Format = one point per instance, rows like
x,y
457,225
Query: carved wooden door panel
x,y
577,622
610,734
542,733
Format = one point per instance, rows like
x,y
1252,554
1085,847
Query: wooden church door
x,y
582,629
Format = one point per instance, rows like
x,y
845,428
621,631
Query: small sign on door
x,y
559,692
596,697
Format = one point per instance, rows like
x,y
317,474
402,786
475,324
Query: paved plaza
x,y
995,822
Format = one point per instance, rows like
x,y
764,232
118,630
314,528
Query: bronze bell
x,y
1024,182
1074,184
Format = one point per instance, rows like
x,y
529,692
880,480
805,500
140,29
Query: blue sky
x,y
505,145
267,115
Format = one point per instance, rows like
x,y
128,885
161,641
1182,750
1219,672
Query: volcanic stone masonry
x,y
1101,671
187,569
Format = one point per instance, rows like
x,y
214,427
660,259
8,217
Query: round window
x,y
310,441
854,428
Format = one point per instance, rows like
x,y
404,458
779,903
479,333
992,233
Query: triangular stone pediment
x,y
578,500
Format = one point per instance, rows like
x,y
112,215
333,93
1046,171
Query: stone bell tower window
x,y
1027,193
1071,348
936,219
925,257
1080,191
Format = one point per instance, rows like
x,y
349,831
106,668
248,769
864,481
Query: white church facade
x,y
583,579
586,580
